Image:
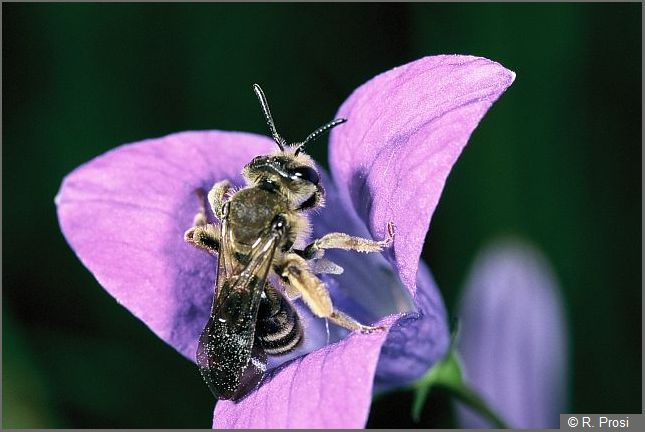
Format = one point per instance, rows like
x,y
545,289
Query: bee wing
x,y
225,345
224,262
254,372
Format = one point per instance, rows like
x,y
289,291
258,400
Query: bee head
x,y
285,171
288,169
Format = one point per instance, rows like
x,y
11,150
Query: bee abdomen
x,y
279,330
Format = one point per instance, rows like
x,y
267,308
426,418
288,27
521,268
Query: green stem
x,y
473,400
446,373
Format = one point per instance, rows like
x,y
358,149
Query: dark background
x,y
557,161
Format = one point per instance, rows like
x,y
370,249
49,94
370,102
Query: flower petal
x,y
513,337
368,288
417,340
329,388
405,130
124,214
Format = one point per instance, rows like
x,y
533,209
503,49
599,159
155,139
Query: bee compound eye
x,y
306,173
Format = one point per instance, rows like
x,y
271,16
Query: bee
x,y
259,224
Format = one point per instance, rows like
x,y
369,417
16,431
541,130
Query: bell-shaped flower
x,y
513,340
125,213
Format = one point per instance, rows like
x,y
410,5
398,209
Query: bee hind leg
x,y
342,319
338,240
296,273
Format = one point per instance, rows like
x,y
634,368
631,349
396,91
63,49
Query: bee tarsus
x,y
338,240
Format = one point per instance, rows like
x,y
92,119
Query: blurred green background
x,y
557,160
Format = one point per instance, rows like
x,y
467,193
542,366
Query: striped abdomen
x,y
278,329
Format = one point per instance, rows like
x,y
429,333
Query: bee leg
x,y
216,197
338,240
342,319
316,199
295,271
290,291
202,234
204,237
200,218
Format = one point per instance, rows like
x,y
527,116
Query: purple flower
x,y
513,338
125,212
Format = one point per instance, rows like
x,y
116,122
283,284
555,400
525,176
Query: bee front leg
x,y
216,197
203,235
200,218
206,237
317,199
295,272
338,240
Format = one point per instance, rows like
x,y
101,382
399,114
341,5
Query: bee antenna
x,y
267,115
322,129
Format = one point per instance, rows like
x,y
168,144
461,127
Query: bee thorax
x,y
251,211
